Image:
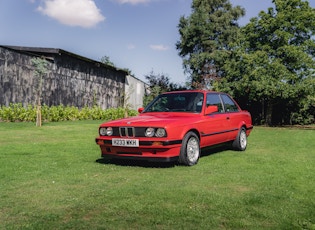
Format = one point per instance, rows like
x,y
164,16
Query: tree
x,y
161,80
273,61
159,83
41,70
106,60
205,38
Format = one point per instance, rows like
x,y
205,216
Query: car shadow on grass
x,y
152,164
137,163
215,149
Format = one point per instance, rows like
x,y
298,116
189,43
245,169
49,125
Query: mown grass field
x,y
50,179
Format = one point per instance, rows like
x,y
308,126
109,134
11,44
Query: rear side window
x,y
214,99
229,104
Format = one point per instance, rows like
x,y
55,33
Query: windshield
x,y
177,102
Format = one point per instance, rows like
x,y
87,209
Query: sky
x,y
139,35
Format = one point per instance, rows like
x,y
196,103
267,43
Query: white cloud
x,y
131,47
82,13
133,2
159,47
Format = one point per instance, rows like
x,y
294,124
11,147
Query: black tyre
x,y
240,143
190,150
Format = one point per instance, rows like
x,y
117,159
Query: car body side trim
x,y
216,133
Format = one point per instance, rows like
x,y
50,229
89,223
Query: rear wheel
x,y
240,143
190,150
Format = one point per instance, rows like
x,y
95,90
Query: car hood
x,y
157,120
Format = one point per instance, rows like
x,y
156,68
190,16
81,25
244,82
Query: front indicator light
x,y
99,142
155,143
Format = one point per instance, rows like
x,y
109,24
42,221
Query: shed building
x,y
71,80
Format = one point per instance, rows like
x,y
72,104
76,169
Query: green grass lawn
x,y
50,179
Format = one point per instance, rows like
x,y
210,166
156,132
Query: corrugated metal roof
x,y
39,51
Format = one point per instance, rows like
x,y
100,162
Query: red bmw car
x,y
175,126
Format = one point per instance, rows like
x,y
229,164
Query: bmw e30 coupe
x,y
175,126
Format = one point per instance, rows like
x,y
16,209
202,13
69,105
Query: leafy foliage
x,y
273,63
41,69
205,39
267,65
159,83
16,112
106,60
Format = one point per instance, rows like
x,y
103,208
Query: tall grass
x,y
51,179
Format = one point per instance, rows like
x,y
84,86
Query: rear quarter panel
x,y
237,121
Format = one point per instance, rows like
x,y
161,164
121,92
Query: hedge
x,y
18,113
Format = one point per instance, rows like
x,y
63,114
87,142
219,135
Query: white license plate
x,y
125,142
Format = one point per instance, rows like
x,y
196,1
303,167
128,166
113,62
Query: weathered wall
x,y
71,81
135,90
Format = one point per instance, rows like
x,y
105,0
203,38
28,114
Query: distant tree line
x,y
267,65
159,83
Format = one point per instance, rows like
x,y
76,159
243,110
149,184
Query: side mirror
x,y
140,110
212,109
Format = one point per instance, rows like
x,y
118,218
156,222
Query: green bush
x,y
18,113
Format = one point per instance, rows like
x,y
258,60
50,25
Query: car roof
x,y
191,91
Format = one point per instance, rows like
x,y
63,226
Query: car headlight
x,y
149,132
102,131
160,132
106,131
109,131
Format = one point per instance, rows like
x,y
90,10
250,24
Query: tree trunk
x,y
39,114
269,110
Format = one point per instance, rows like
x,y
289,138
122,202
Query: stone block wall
x,y
72,80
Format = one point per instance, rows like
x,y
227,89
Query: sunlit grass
x,y
50,180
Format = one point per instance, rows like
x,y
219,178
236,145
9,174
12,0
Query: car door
x,y
232,112
215,124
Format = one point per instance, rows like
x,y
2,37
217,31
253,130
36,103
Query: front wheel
x,y
240,143
190,150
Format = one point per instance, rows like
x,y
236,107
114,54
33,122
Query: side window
x,y
214,99
229,104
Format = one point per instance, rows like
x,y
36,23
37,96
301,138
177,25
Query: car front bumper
x,y
163,151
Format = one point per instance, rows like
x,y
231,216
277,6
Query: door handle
x,y
227,118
